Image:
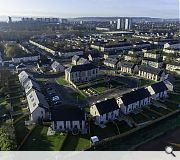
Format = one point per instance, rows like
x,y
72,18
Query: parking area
x,y
52,96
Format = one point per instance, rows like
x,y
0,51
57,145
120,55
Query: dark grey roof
x,y
75,58
148,69
111,61
152,59
84,67
82,60
127,64
159,87
95,55
107,106
68,114
135,96
21,66
174,63
42,62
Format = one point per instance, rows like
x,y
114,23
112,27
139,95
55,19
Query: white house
x,y
70,53
20,67
151,73
127,67
31,84
82,61
110,62
43,47
153,55
173,45
69,119
23,76
38,106
158,90
94,57
81,73
104,111
134,100
173,66
75,59
152,62
26,58
132,57
57,67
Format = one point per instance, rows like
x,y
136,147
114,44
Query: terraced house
x,y
134,100
104,111
173,66
156,63
69,119
151,73
158,90
128,67
81,73
38,106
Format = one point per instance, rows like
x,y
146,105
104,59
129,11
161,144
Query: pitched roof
x,y
111,61
79,68
55,64
127,64
36,99
75,58
135,96
107,106
95,55
67,114
82,60
159,87
42,62
148,69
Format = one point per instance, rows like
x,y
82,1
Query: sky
x,y
91,8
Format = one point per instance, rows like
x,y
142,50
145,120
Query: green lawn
x,y
143,82
149,113
78,95
76,143
39,141
174,97
62,80
123,126
102,87
170,105
102,133
139,118
160,110
21,130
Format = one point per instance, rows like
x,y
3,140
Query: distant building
x,y
110,62
128,24
64,21
57,67
119,24
9,20
81,73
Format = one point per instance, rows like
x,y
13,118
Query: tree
x,y
7,140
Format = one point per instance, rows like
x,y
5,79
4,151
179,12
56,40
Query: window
x,y
32,99
31,96
34,104
55,125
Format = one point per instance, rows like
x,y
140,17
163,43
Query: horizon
x,y
91,8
